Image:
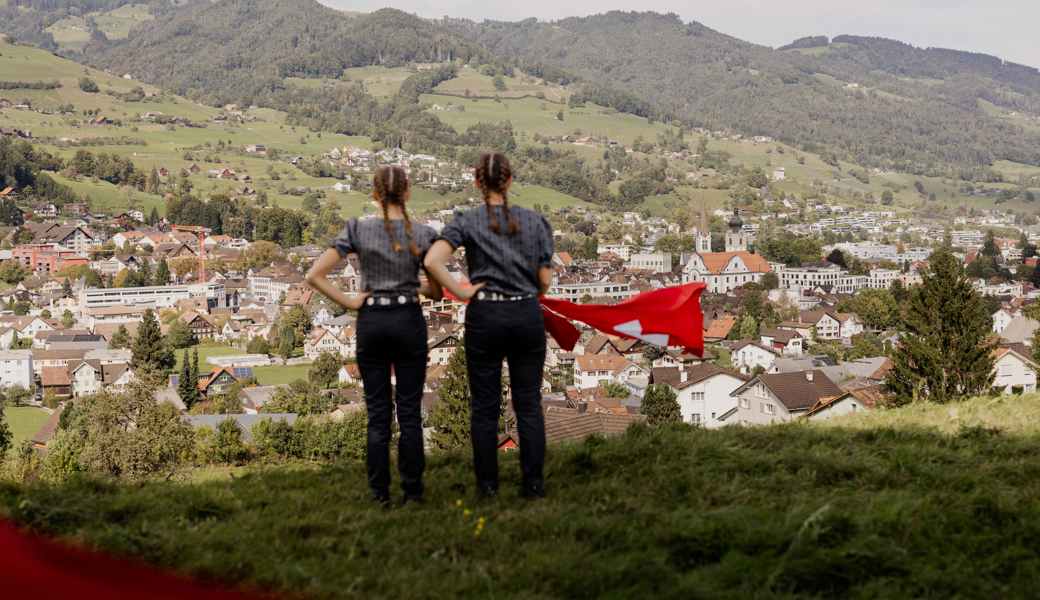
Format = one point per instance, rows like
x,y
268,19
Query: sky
x,y
1004,28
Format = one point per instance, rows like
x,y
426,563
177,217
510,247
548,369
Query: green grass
x,y
1010,414
780,512
205,352
24,422
472,81
281,374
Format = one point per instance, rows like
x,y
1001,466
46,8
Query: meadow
x,y
24,422
887,507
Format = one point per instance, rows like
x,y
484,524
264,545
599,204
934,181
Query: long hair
x,y
492,174
390,185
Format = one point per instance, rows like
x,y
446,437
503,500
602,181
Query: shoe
x,y
532,491
382,499
487,491
413,499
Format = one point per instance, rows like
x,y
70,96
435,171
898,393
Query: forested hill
x,y
235,49
876,102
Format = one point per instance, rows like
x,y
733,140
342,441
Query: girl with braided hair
x,y
509,260
391,329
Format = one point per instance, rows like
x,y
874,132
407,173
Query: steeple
x,y
736,239
703,242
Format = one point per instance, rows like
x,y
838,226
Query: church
x,y
724,272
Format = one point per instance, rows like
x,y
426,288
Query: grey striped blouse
x,y
382,269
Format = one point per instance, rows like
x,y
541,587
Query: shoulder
x,y
423,231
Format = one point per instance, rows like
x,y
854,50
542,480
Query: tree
x,y
88,85
258,345
162,273
748,328
12,271
661,405
188,386
615,390
500,84
945,352
5,434
286,342
66,288
324,373
302,398
450,418
227,444
68,319
887,198
120,339
876,308
770,281
151,354
837,257
180,335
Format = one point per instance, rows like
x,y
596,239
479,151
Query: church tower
x,y
736,239
703,241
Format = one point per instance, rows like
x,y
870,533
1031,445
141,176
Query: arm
x,y
545,276
436,265
317,279
430,288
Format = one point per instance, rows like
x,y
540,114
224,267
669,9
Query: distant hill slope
x,y
876,102
235,50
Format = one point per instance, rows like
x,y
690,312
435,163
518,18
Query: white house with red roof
x,y
723,272
1013,373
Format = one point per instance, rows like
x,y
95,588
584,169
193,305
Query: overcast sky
x,y
1004,28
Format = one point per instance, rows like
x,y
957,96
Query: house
x,y
749,356
1020,330
349,374
852,402
1001,319
217,382
1014,373
780,397
570,425
593,370
324,340
723,272
703,391
831,325
55,381
16,369
788,343
719,328
440,347
255,397
200,326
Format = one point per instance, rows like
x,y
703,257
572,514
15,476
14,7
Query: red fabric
x,y
33,567
666,317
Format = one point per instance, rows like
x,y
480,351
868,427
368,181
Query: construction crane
x,y
200,234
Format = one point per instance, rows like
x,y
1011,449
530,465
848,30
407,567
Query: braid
x,y
412,246
389,230
493,174
390,188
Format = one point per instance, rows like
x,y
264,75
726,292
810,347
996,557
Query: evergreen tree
x,y
120,339
187,388
153,217
151,355
661,405
945,352
286,342
143,275
195,365
450,418
68,319
66,288
1035,277
5,434
162,273
748,328
153,183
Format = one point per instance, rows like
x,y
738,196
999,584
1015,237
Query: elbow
x,y
312,279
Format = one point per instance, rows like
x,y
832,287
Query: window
x,y
745,403
695,418
768,408
698,396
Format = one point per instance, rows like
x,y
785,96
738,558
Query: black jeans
x,y
515,332
392,339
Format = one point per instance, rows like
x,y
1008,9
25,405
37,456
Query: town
x,y
795,328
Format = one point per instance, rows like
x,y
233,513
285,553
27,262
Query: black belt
x,y
497,297
391,299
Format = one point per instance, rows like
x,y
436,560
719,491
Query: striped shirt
x,y
382,269
507,264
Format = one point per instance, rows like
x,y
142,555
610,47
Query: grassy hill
x,y
882,508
